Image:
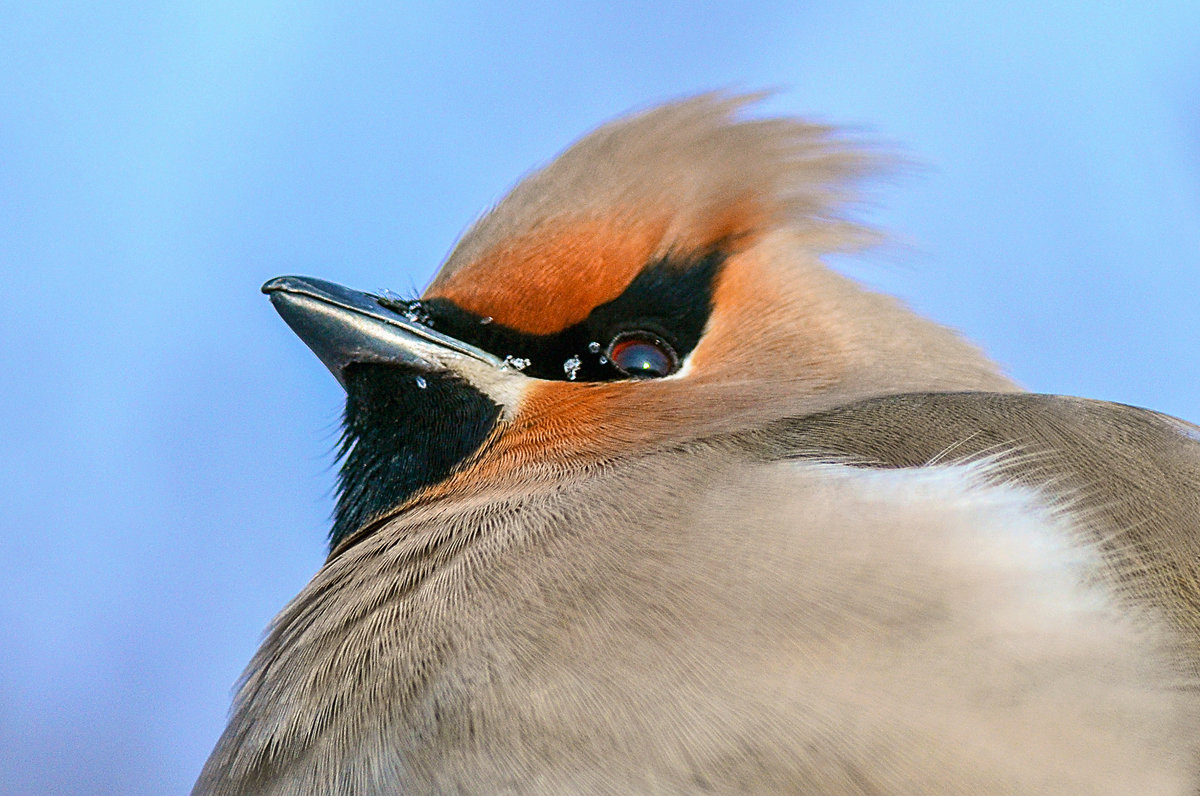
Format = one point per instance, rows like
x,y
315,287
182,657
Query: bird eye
x,y
643,355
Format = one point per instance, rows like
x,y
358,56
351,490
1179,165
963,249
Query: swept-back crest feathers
x,y
675,179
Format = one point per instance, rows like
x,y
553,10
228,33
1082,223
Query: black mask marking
x,y
670,299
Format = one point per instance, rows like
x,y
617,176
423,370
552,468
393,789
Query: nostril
x,y
412,310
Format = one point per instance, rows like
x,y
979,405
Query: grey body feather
x,y
753,625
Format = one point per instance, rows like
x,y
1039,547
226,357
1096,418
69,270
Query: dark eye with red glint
x,y
643,355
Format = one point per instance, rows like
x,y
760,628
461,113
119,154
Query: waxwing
x,y
640,497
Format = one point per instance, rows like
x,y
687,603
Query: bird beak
x,y
344,326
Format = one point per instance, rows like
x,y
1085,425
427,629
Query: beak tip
x,y
276,284
344,326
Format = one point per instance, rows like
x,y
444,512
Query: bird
x,y
641,496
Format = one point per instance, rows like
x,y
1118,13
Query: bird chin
x,y
404,429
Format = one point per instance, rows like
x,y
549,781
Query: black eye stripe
x,y
669,299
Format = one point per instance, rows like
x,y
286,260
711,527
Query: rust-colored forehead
x,y
544,281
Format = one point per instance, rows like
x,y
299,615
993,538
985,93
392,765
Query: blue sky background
x,y
167,441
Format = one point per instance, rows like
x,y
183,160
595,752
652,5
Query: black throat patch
x,y
403,430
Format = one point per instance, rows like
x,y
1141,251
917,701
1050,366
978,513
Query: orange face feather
x,y
552,277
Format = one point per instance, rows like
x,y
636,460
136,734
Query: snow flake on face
x,y
571,368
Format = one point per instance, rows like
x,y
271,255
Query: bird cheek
x,y
582,422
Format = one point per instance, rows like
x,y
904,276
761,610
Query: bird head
x,y
658,283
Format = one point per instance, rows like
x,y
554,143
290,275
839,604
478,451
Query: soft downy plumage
x,y
641,497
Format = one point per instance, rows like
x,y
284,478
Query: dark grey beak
x,y
343,326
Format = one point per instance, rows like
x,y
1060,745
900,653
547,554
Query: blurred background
x,y
167,442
